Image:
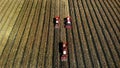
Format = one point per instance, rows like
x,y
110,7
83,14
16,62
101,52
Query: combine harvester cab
x,y
57,22
64,55
68,22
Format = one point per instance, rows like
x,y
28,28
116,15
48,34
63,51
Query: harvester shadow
x,y
54,21
60,48
65,20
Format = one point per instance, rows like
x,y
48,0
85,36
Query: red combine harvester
x,y
64,55
57,22
68,22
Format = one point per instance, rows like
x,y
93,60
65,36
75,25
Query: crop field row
x,y
28,38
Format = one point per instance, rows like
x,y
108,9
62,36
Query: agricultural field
x,y
29,39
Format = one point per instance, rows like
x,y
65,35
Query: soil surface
x,y
29,39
